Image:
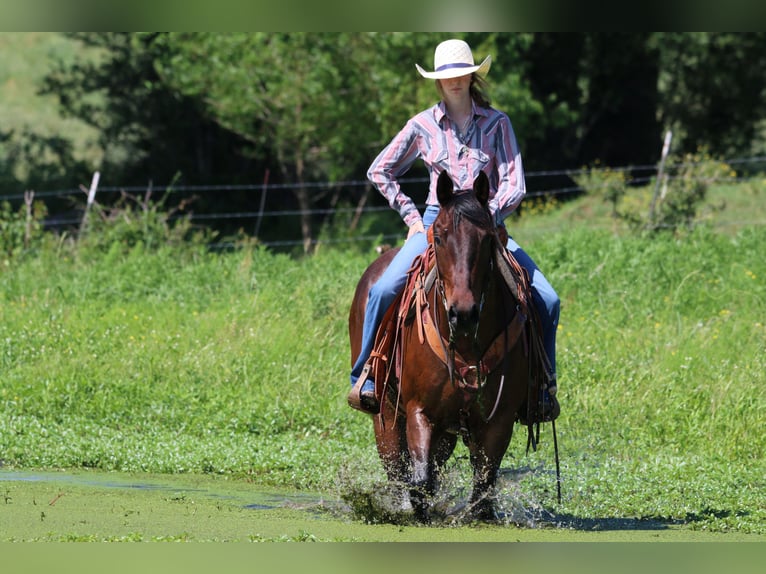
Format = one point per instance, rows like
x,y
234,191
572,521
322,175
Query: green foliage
x,y
138,98
680,199
139,222
20,229
144,129
361,234
605,183
308,107
33,159
39,147
684,193
712,89
305,100
540,206
278,91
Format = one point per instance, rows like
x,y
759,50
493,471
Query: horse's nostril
x,y
463,318
452,315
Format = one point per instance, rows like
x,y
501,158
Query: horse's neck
x,y
499,303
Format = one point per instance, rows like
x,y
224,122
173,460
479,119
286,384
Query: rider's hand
x,y
416,227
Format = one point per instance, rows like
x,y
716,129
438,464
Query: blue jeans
x,y
385,290
546,300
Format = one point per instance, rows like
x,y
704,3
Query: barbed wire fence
x,y
641,175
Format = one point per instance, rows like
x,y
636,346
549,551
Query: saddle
x,y
411,309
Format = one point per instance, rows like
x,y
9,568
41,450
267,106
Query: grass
x,y
25,59
177,360
184,353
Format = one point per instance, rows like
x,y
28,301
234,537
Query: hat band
x,y
450,66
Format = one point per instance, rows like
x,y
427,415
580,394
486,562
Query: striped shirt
x,y
489,145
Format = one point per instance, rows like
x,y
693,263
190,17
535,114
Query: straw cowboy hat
x,y
453,58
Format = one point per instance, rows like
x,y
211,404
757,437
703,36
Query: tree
x,y
713,90
302,99
147,131
553,66
317,107
619,125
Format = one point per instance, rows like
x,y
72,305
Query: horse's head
x,y
463,239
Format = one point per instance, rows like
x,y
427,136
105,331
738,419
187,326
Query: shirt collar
x,y
441,111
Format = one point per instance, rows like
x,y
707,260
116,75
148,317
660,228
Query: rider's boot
x,y
362,396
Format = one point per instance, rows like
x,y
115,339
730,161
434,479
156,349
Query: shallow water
x,y
98,506
251,500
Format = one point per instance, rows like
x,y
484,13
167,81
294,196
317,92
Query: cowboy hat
x,y
453,58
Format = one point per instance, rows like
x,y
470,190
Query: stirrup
x,y
363,401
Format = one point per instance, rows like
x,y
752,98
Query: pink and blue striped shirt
x,y
489,145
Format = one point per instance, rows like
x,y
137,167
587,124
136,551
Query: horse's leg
x,y
392,448
422,482
487,449
444,446
484,478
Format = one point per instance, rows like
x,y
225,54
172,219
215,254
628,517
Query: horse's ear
x,y
481,188
444,188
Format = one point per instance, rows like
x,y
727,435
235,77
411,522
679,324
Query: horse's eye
x,y
437,239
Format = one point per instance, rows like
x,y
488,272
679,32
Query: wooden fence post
x,y
660,176
263,204
90,200
29,198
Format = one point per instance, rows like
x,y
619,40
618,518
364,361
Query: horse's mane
x,y
465,204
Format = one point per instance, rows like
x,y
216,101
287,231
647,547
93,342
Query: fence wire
x,y
635,181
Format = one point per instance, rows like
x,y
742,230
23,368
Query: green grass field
x,y
177,360
25,59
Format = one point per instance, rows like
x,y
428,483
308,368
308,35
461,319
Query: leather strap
x,y
492,356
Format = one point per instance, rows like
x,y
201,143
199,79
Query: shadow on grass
x,y
625,523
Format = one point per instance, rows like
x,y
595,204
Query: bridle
x,y
481,378
472,376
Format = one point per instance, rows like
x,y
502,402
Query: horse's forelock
x,y
465,204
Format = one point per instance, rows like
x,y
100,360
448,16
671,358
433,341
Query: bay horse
x,y
464,369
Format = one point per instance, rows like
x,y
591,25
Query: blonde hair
x,y
478,90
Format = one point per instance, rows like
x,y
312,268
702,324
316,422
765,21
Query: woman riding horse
x,y
461,364
463,136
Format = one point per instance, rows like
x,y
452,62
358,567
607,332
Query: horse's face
x,y
463,237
